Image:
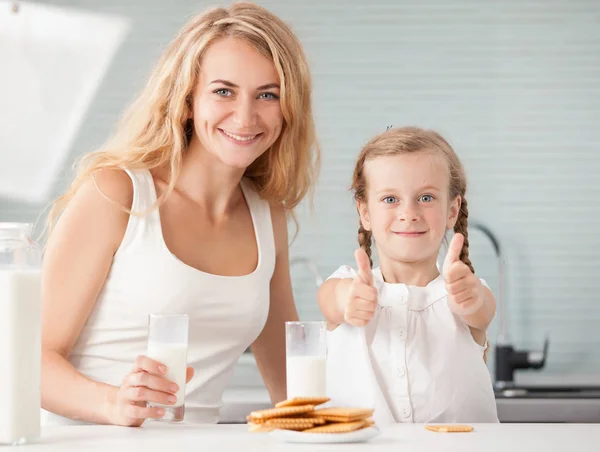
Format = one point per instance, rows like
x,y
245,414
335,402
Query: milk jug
x,y
20,335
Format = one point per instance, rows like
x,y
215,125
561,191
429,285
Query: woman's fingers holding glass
x,y
189,374
153,382
149,365
143,394
140,412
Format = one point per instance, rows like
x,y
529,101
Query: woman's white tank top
x,y
226,313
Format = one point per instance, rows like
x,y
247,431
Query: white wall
x,y
514,86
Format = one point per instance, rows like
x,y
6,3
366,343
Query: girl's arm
x,y
331,298
467,296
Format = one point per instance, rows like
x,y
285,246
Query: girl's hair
x,y
155,131
403,140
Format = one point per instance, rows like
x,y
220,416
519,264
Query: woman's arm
x,y
269,347
76,263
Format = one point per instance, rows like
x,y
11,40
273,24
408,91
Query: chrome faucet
x,y
507,359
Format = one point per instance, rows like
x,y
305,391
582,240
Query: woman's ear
x,y
453,211
363,212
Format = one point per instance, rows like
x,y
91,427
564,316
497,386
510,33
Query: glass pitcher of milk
x,y
20,334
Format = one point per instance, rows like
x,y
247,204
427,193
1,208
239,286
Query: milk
x,y
174,356
20,355
306,376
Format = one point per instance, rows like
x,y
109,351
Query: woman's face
x,y
236,111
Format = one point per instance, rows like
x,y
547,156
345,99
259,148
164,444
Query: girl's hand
x,y
465,295
361,296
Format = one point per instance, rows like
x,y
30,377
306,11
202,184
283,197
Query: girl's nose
x,y
408,212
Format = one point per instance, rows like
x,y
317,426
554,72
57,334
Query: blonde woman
x,y
183,210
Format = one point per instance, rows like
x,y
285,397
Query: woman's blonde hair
x,y
155,131
403,140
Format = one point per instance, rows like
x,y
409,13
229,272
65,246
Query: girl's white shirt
x,y
415,361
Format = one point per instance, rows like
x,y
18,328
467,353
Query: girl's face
x,y
407,208
236,110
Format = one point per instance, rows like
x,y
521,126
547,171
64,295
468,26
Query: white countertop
x,y
248,393
159,437
238,402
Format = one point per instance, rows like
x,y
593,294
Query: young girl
x,y
420,355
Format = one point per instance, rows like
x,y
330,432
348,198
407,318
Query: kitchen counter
x,y
158,437
247,393
238,402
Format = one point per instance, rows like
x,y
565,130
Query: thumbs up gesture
x,y
464,288
361,298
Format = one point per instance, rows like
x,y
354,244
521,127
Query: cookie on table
x,y
340,427
298,424
258,428
299,401
344,414
272,413
316,419
450,428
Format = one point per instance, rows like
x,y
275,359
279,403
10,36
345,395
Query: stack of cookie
x,y
299,414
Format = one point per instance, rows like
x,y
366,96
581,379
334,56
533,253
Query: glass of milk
x,y
168,344
306,356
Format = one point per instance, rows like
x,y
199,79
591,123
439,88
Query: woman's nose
x,y
245,113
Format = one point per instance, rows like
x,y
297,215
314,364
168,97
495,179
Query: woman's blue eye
x,y
269,96
426,198
389,199
223,92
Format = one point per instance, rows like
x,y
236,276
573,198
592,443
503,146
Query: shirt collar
x,y
414,297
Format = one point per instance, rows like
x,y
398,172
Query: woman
x,y
183,211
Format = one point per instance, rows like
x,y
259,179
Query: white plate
x,y
357,436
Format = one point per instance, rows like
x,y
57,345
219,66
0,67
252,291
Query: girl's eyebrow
x,y
424,188
429,187
385,190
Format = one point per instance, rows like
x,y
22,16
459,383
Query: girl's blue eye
x,y
426,198
223,92
389,199
269,96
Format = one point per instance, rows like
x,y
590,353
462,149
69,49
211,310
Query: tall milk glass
x,y
306,357
20,335
168,344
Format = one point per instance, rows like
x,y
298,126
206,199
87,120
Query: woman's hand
x,y
144,384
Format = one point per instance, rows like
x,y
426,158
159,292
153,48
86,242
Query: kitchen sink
x,y
549,392
549,403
